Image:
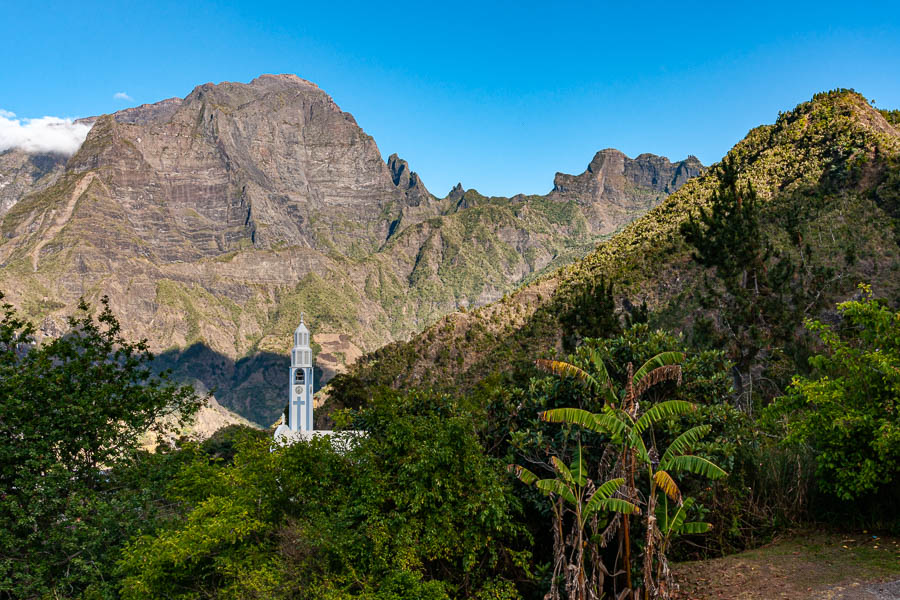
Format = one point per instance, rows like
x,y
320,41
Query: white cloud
x,y
122,96
44,135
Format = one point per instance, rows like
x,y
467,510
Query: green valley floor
x,y
811,565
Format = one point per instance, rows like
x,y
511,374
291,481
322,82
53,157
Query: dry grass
x,y
804,565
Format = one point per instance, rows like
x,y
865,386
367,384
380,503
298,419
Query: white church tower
x,y
300,411
299,424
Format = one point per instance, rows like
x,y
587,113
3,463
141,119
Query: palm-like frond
x,y
658,375
663,410
660,360
665,482
557,487
563,470
601,423
683,442
597,504
636,442
694,464
564,369
675,524
578,469
695,527
522,474
672,524
602,377
609,488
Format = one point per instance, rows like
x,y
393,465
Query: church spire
x,y
300,413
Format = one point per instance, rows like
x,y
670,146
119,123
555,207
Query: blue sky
x,y
498,96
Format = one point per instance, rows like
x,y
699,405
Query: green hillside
x,y
826,173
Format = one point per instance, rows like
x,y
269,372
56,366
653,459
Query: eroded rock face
x,y
22,173
212,221
616,187
233,165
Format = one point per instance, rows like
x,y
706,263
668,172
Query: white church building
x,y
300,424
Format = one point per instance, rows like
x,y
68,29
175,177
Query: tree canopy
x,y
71,410
847,411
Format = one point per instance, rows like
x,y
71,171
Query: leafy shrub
x,y
847,411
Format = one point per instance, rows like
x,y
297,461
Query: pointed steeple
x,y
301,335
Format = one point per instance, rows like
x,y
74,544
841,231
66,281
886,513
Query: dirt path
x,y
803,566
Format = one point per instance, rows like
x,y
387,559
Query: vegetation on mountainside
x,y
827,177
759,293
735,261
450,253
466,255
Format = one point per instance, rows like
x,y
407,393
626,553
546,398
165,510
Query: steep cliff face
x,y
212,221
232,166
617,188
22,173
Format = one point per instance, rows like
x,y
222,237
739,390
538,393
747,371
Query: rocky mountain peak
x,y
267,163
212,221
402,177
611,169
608,158
407,181
288,78
456,193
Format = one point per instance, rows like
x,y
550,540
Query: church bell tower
x,y
300,415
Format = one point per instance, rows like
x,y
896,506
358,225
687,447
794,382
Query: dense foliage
x,y
848,411
413,510
632,451
629,467
72,411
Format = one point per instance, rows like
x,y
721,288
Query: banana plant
x,y
673,522
571,490
626,425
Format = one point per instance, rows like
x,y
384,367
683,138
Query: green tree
x,y
72,411
757,297
588,311
848,411
414,510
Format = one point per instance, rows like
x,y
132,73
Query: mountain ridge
x,y
834,161
215,219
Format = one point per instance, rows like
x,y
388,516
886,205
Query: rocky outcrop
x,y
22,173
212,221
407,181
617,188
610,173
